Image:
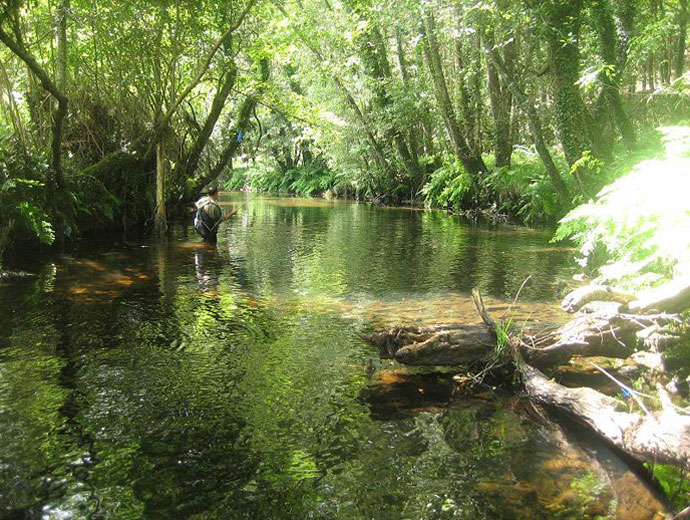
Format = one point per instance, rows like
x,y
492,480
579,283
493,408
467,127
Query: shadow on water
x,y
513,461
175,380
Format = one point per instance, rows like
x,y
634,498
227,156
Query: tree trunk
x,y
61,69
469,88
679,64
627,14
224,89
660,437
602,15
534,122
575,127
60,112
160,129
472,164
501,102
160,219
412,139
376,57
244,114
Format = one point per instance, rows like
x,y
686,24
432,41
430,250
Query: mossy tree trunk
x,y
575,126
241,124
58,201
473,164
225,86
374,52
160,218
501,97
679,61
626,12
469,84
527,105
605,27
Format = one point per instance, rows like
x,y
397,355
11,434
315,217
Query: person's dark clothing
x,y
211,215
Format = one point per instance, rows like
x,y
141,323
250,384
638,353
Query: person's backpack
x,y
203,223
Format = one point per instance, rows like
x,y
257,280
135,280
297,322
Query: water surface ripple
x,y
171,380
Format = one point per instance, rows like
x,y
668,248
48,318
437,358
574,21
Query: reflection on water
x,y
176,380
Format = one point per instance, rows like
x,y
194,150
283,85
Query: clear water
x,y
171,380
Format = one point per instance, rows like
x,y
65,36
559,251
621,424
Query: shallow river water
x,y
141,379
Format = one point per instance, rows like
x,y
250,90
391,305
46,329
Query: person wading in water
x,y
209,216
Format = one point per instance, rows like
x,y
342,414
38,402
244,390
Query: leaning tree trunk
x,y
602,16
57,93
191,163
534,121
472,164
241,124
657,438
56,198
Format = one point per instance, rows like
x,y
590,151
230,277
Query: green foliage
x,y
352,105
37,221
637,230
307,180
449,187
671,103
674,482
523,190
22,196
503,331
115,190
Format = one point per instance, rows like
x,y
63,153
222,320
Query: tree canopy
x,y
117,114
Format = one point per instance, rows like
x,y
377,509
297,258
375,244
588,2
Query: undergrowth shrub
x,y
636,232
22,196
450,186
306,180
523,191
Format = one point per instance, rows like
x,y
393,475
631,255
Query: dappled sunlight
x,y
421,310
642,219
87,281
676,141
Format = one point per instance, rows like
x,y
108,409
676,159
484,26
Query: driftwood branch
x,y
663,437
594,293
671,297
587,335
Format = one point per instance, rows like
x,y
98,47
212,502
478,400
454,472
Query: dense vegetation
x,y
116,114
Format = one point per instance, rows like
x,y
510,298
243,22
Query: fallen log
x,y
578,298
655,437
662,437
599,334
671,297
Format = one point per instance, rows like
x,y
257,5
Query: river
x,y
146,379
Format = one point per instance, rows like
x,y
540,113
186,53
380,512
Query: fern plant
x,y
636,232
22,196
